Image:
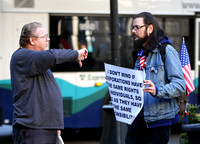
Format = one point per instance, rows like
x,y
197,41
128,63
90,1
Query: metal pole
x,y
113,130
115,57
119,129
115,50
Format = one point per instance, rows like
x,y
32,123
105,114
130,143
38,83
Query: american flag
x,y
142,59
185,62
142,62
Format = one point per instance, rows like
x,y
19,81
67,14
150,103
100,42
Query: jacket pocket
x,y
157,74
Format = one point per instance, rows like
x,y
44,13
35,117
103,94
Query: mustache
x,y
134,35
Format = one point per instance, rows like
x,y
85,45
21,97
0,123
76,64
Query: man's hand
x,y
82,54
151,88
59,132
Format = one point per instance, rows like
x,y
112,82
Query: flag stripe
x,y
142,62
188,84
187,72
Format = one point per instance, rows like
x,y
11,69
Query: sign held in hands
x,y
125,88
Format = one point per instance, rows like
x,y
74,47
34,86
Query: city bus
x,y
74,24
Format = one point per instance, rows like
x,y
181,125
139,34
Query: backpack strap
x,y
162,48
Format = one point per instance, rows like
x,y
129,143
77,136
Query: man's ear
x,y
32,41
149,29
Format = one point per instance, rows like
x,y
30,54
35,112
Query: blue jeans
x,y
138,133
24,135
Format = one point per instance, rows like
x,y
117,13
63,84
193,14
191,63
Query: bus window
x,y
78,32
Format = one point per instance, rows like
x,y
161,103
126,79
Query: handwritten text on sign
x,y
125,88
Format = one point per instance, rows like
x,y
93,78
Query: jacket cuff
x,y
156,91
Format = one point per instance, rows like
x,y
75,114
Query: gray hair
x,y
28,31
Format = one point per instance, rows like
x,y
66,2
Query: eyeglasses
x,y
44,37
137,27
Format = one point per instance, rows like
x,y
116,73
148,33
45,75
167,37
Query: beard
x,y
139,43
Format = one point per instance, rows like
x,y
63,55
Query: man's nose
x,y
133,31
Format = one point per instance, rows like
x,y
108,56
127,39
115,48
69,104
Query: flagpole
x,y
183,39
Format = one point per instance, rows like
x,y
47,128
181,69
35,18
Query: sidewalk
x,y
174,139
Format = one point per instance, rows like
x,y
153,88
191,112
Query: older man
x,y
37,99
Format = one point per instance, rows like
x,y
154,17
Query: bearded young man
x,y
164,82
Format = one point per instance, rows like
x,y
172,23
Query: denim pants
x,y
138,133
24,135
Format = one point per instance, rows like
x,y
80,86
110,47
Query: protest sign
x,y
125,88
